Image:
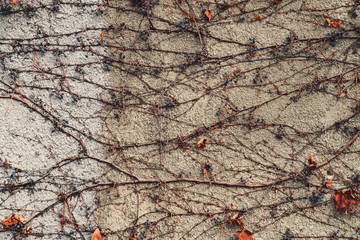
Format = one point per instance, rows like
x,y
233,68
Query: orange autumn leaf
x,y
13,220
208,14
96,235
244,235
312,162
344,199
201,143
236,218
102,33
336,24
28,229
258,17
181,1
14,1
204,171
328,184
132,238
342,95
328,21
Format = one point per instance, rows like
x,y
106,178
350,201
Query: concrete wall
x,y
268,84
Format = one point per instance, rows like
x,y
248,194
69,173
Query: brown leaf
x,y
244,235
328,21
13,220
201,143
312,162
344,199
208,14
96,235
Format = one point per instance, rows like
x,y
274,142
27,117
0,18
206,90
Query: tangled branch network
x,y
179,119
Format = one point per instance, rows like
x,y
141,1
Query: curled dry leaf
x,y
336,24
96,235
13,220
312,162
201,143
244,235
208,14
343,200
328,183
328,21
236,218
27,230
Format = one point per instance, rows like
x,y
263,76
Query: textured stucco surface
x,y
237,152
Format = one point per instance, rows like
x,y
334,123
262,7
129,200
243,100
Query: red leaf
x,y
14,1
344,199
258,17
208,14
336,24
328,184
96,235
244,235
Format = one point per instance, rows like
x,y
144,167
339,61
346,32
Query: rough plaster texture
x,y
28,140
183,210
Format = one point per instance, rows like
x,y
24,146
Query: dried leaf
x,y
344,199
201,143
181,1
244,235
14,1
342,94
328,184
208,14
132,238
28,229
236,218
328,21
336,24
96,235
258,17
13,220
103,33
204,171
312,162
